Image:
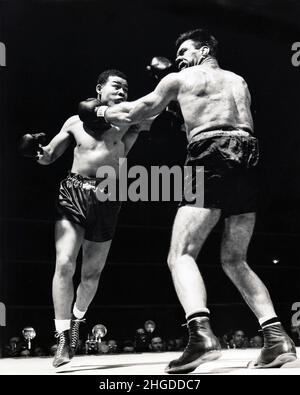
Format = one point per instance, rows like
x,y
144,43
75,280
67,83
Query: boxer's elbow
x,y
47,157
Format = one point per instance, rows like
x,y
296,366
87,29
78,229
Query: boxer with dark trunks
x,y
229,158
83,220
78,203
215,105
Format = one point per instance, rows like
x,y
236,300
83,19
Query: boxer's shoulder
x,y
73,121
72,124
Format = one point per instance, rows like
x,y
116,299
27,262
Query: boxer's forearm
x,y
131,113
145,108
56,147
150,105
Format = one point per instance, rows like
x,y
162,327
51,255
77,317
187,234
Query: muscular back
x,y
212,98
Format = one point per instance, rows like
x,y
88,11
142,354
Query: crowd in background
x,y
145,339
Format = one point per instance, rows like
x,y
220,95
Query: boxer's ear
x,y
205,50
99,89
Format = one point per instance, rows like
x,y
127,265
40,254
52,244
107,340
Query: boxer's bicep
x,y
60,142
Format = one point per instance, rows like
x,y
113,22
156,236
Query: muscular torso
x,y
211,98
95,149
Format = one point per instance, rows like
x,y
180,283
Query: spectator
x,y
39,352
112,346
53,349
171,345
224,341
25,353
179,344
256,342
141,340
149,326
151,331
238,339
102,347
13,348
128,346
156,344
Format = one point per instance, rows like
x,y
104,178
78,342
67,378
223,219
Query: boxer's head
x,y
193,47
112,87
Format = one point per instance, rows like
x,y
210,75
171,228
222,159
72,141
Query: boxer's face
x,y
188,55
114,91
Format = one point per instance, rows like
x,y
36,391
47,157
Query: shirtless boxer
x,y
83,221
215,104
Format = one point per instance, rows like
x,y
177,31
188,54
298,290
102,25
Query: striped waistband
x,y
77,178
220,133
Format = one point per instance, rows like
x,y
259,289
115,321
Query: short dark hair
x,y
201,37
103,77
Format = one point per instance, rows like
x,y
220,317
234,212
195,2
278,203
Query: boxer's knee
x,y
65,266
178,256
232,260
90,277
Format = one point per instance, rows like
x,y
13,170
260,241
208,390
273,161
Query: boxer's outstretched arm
x,y
58,144
152,104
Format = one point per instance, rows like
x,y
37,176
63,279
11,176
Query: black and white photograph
x,y
150,190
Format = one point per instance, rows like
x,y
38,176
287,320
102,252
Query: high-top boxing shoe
x,y
278,349
62,355
74,334
203,346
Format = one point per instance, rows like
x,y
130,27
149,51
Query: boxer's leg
x,y
93,260
278,347
94,256
236,238
68,239
191,228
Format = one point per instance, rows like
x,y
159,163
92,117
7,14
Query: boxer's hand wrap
x,y
30,145
101,112
92,114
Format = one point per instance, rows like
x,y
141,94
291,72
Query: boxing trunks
x,y
230,159
78,203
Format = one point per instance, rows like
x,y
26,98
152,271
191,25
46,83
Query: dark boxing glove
x,y
166,124
160,67
30,145
92,114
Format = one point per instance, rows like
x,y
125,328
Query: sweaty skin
x,y
93,148
210,99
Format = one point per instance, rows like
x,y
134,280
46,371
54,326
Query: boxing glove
x,y
92,114
30,145
160,67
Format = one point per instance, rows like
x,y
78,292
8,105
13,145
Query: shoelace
x,y
75,331
61,342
